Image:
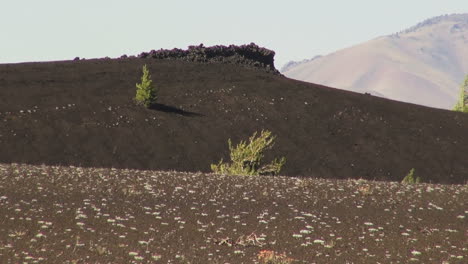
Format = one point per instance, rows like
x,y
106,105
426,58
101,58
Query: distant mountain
x,y
293,64
423,64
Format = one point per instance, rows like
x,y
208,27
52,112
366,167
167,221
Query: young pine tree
x,y
462,104
146,93
411,178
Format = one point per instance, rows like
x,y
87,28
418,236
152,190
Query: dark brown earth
x,y
91,215
81,113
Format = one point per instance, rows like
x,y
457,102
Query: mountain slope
x,y
82,113
423,65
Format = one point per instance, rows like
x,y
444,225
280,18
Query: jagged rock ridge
x,y
249,55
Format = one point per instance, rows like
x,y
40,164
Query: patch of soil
x,y
82,113
91,215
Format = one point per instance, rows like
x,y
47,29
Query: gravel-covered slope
x,y
82,113
90,215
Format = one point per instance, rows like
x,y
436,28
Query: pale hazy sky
x,y
41,30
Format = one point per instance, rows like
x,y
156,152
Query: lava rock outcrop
x,y
250,55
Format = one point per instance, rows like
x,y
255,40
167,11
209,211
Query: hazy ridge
x,y
423,64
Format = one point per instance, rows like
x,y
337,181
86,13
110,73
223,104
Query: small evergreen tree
x,y
462,104
246,158
146,92
410,178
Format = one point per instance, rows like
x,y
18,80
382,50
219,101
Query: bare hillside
x,y
424,64
82,113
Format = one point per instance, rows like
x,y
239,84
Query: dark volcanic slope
x,y
81,113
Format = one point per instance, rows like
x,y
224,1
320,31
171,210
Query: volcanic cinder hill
x,y
424,64
82,113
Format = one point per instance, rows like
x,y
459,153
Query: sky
x,y
32,30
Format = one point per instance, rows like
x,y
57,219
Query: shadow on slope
x,y
173,110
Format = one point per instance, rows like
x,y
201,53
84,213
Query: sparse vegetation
x,y
146,93
410,178
462,104
53,214
246,157
271,257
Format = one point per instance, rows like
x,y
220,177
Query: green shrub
x,y
246,158
410,178
462,104
146,92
